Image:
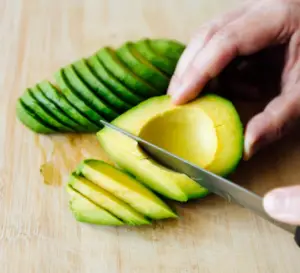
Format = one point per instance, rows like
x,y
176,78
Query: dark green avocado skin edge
x,y
101,86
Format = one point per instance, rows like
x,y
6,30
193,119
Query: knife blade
x,y
223,187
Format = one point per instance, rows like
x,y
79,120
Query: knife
x,y
214,183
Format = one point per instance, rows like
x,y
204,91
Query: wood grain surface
x,y
37,231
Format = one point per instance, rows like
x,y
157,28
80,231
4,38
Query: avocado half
x,y
207,132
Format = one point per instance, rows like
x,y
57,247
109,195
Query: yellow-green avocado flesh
x,y
207,132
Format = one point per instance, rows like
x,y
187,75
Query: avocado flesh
x,y
76,99
200,145
86,211
87,75
30,120
142,68
53,109
112,82
58,98
34,106
87,95
107,201
125,188
110,60
162,63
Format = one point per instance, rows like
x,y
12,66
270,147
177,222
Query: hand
x,y
248,29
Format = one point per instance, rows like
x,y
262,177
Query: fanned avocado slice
x,y
169,48
111,61
30,120
34,106
53,109
107,201
86,211
76,99
142,68
162,63
87,94
100,89
112,82
58,98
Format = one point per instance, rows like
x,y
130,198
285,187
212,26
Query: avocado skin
x,y
120,70
142,68
30,120
59,99
98,87
53,109
76,99
88,95
164,64
112,82
34,106
106,86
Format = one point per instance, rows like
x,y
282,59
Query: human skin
x,y
248,29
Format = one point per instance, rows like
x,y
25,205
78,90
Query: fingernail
x,y
283,204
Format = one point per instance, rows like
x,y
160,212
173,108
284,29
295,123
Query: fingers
x,y
203,35
281,113
238,37
283,204
276,120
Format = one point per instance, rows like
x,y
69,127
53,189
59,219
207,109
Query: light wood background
x,y
37,231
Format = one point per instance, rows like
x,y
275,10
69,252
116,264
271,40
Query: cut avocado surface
x,y
196,131
86,211
107,201
142,68
112,82
58,98
100,89
30,120
119,69
162,63
87,95
76,99
125,188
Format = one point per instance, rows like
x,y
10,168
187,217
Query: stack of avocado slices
x,y
101,86
101,194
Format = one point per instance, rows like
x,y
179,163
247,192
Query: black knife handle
x,y
297,236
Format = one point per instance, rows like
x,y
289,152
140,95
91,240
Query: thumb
x,y
283,204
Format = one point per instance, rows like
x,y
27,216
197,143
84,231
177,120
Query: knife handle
x,y
297,236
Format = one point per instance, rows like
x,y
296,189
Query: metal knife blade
x,y
214,183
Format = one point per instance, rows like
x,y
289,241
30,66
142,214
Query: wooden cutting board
x,y
37,231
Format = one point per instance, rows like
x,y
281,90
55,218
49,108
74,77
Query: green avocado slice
x,y
87,94
53,109
169,48
112,82
142,68
107,201
162,63
125,188
86,211
96,85
111,61
34,106
30,120
58,98
76,99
